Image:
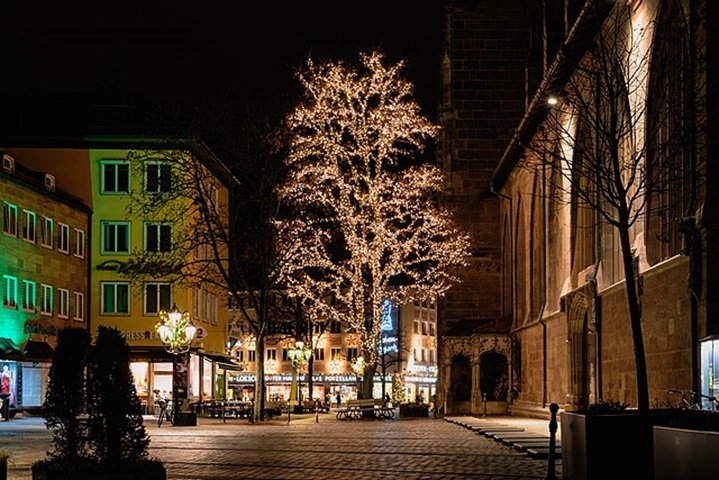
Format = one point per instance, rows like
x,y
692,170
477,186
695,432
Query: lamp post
x,y
299,355
176,332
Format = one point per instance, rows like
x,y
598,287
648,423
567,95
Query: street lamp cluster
x,y
176,330
299,355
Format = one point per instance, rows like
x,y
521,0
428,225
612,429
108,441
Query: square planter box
x,y
185,419
681,454
602,446
150,470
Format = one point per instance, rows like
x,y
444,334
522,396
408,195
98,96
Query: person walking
x,y
339,400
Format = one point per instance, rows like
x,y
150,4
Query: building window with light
x,y
432,331
115,177
318,327
335,353
79,247
271,354
46,299
79,307
63,238
115,298
9,219
319,353
46,232
158,237
28,295
352,353
158,296
28,227
424,328
115,237
63,303
158,177
416,326
9,291
251,356
432,356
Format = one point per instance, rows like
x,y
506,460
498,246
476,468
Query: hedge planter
x,y
602,446
149,470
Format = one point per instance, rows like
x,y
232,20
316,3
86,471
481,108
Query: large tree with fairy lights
x,y
364,219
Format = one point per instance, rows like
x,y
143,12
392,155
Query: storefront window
x,y
206,378
139,373
162,377
34,384
710,371
194,377
8,374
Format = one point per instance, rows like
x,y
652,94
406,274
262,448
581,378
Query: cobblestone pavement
x,y
403,449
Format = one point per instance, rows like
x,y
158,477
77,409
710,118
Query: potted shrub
x,y
108,439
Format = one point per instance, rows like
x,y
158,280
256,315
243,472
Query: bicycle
x,y
165,412
691,400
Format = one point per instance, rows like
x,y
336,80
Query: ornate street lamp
x,y
176,332
299,355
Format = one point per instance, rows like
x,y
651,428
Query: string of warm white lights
x,y
368,224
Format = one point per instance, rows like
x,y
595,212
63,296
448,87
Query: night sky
x,y
194,50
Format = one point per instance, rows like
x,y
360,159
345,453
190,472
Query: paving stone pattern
x,y
406,449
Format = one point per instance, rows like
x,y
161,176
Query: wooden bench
x,y
364,408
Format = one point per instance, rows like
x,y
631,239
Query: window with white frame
x,y
9,291
352,353
158,177
432,330
335,353
115,237
29,295
432,356
251,356
197,303
79,247
46,232
46,299
158,237
28,226
319,353
63,238
211,308
115,177
158,296
115,298
9,226
63,303
271,354
78,312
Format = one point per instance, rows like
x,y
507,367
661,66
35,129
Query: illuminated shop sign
x,y
390,341
286,378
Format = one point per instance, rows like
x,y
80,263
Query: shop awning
x,y
222,360
9,349
35,350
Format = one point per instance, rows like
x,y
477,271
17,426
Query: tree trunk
x,y
258,414
635,317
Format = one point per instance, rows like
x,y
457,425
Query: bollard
x,y
553,409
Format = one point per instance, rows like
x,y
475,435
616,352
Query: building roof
x,y
579,39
